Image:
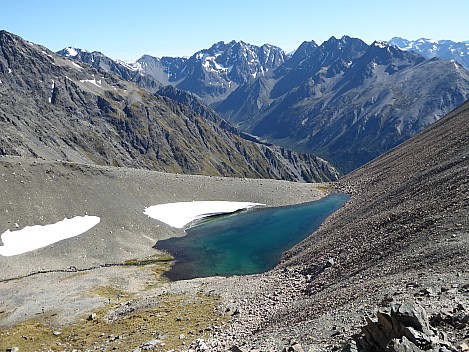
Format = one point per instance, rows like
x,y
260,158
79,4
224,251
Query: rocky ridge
x,y
215,72
343,100
443,49
57,108
127,71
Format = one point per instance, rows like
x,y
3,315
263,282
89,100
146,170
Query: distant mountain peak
x,y
429,48
380,44
71,51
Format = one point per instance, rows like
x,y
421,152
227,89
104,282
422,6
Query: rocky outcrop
x,y
407,328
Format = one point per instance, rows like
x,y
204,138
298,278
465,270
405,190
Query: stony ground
x,y
403,236
114,263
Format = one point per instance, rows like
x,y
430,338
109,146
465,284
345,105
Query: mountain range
x,y
442,49
396,250
55,108
343,100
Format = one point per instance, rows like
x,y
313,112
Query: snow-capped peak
x,y
380,44
71,52
131,65
444,49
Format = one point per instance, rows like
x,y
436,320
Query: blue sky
x,y
127,29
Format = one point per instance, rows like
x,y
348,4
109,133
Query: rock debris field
x,y
388,271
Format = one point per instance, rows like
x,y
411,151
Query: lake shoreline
x,y
41,192
245,243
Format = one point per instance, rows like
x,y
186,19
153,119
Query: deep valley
x,y
82,135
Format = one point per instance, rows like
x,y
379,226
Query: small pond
x,y
246,242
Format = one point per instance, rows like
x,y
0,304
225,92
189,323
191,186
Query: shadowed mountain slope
x,y
55,108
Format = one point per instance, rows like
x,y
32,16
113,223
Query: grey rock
x,y
406,328
402,345
293,347
409,314
463,345
149,345
236,348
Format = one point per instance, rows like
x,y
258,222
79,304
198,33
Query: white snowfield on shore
x,y
38,236
174,214
182,213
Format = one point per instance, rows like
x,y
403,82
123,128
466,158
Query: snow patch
x,y
71,51
180,214
97,83
38,236
52,91
131,65
380,44
76,65
211,65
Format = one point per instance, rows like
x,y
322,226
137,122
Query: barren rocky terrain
x,y
60,284
403,237
399,245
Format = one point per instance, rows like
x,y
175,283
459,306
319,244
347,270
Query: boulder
x,y
405,329
409,314
402,345
293,347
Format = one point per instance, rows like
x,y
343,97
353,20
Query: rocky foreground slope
x,y
402,239
400,245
